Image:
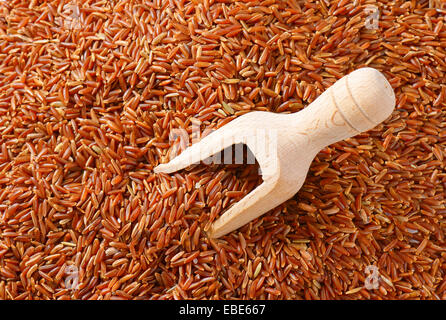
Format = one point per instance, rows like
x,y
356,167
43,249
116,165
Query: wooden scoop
x,y
289,142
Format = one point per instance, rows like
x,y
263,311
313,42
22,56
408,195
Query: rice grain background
x,y
90,90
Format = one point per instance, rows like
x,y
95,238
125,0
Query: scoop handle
x,y
356,103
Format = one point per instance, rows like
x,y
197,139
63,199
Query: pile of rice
x,y
90,90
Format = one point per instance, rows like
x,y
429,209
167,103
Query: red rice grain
x,y
90,91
